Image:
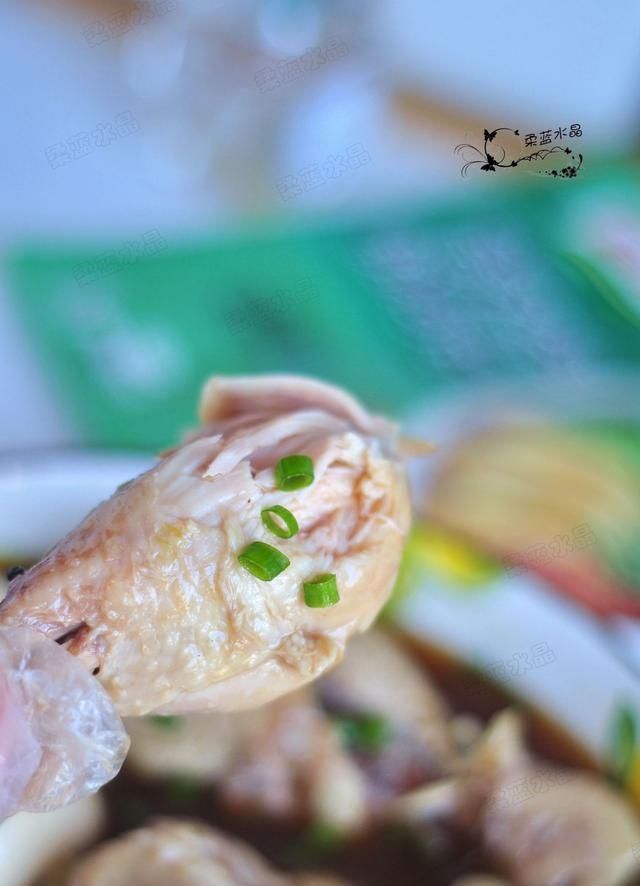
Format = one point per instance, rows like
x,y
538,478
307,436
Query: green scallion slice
x,y
294,472
183,790
321,591
166,722
263,561
368,733
290,523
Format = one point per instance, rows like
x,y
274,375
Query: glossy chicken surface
x,y
289,759
148,591
177,853
476,794
544,824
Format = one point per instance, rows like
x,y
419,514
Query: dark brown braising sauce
x,y
385,856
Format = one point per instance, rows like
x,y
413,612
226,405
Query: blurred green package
x,y
502,284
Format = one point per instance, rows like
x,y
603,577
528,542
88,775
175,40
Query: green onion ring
x,y
290,527
263,561
294,472
321,591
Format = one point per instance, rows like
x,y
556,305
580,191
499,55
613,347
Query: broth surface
x,y
385,856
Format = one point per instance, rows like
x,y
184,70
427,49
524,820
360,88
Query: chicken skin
x,y
545,825
298,758
148,591
182,853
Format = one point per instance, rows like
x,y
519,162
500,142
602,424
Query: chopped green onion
x,y
323,838
314,844
167,723
364,732
263,561
321,591
290,523
621,744
182,789
294,472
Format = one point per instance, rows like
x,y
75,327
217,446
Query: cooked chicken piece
x,y
30,841
149,592
199,745
437,801
292,762
466,729
284,759
498,759
175,853
290,758
565,828
378,677
547,825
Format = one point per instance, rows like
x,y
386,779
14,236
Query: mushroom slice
x,y
181,853
149,592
